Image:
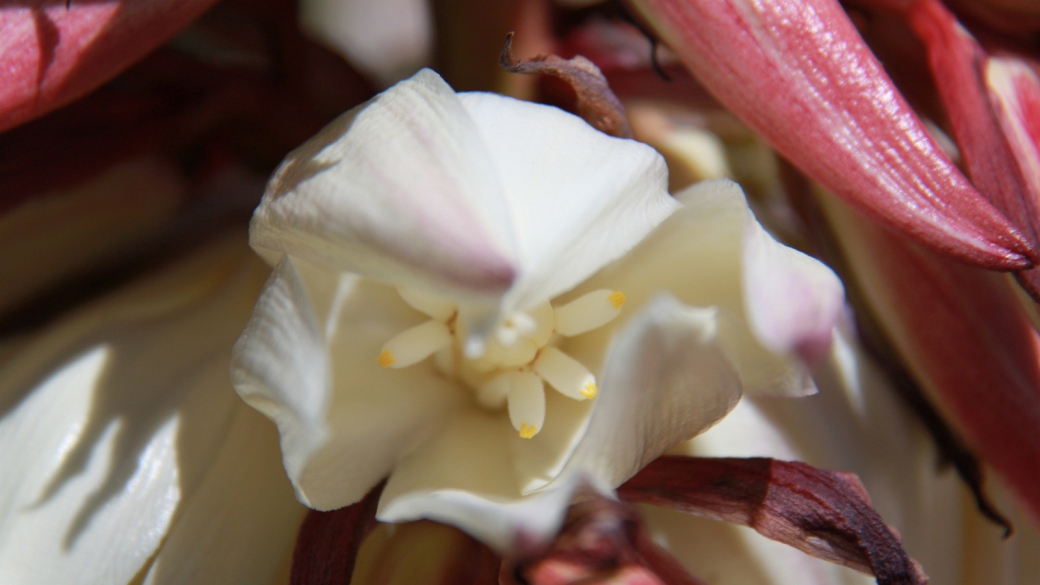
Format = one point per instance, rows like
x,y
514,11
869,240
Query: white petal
x,y
664,380
792,300
697,254
577,197
400,189
112,417
242,521
389,40
463,477
343,419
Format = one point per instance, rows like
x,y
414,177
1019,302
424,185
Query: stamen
x,y
566,374
414,345
545,322
588,312
434,306
526,401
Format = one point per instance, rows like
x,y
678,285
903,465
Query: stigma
x,y
518,359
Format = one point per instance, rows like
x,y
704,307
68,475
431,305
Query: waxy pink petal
x,y
798,73
50,55
958,65
1014,90
965,338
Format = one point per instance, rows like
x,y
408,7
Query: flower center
x,y
519,357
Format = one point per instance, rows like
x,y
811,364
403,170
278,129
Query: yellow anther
x,y
527,431
589,390
386,359
617,298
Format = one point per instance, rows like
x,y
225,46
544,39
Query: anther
x,y
414,345
526,402
566,374
588,312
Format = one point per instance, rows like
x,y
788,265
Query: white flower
x,y
489,244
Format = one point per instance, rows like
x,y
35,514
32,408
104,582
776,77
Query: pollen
x,y
527,431
589,390
386,359
617,298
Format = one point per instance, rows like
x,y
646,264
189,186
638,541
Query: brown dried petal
x,y
823,513
594,101
601,542
328,543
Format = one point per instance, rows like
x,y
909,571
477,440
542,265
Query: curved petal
x,y
463,477
665,379
798,73
577,198
793,302
110,420
344,421
712,253
241,524
399,189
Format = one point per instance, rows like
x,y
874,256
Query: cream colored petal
x,y
578,198
241,521
792,301
112,417
400,189
697,254
463,477
665,378
343,419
